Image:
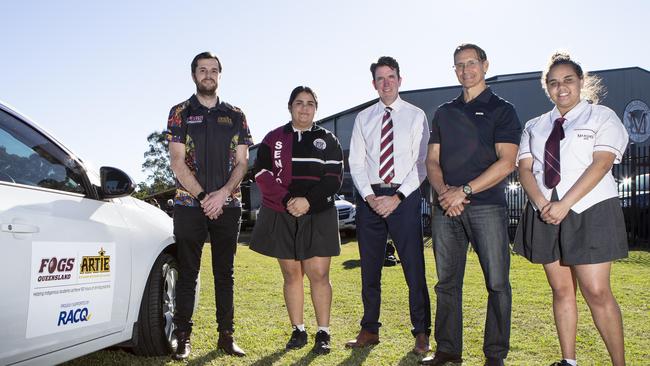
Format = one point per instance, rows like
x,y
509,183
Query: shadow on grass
x,y
205,359
306,359
351,263
270,359
357,356
410,359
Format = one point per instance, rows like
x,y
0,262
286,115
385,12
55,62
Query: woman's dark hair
x,y
592,89
299,89
201,56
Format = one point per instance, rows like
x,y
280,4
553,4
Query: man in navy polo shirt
x,y
472,149
208,146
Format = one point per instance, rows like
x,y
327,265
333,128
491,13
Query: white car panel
x,y
75,266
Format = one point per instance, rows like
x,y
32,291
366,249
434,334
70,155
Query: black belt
x,y
385,185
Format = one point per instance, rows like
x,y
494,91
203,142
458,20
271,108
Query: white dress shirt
x,y
588,128
410,137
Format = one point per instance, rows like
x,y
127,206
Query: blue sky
x,y
102,75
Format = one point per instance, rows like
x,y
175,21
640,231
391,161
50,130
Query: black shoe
x,y
322,343
183,347
561,363
298,339
441,358
227,344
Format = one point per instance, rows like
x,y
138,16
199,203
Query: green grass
x,y
263,326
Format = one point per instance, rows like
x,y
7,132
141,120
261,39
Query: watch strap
x,y
400,195
201,196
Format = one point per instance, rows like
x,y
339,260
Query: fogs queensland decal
x,y
71,286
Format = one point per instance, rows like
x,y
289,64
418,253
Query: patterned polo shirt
x,y
211,137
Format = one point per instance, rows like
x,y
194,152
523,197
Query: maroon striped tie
x,y
386,163
552,154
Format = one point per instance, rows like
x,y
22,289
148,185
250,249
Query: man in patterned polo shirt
x,y
208,146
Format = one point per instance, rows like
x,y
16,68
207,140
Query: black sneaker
x,y
298,339
322,343
561,363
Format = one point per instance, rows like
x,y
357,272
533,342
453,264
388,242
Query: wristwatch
x,y
201,196
400,195
467,189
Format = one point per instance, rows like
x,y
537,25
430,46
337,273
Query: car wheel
x,y
155,325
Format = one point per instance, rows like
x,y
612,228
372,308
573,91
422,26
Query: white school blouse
x,y
588,128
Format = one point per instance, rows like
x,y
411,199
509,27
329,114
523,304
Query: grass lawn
x,y
263,326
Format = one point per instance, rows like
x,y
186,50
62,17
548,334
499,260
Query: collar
x,y
297,130
572,114
484,97
288,128
196,105
396,105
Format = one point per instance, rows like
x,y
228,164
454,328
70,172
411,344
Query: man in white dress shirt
x,y
387,153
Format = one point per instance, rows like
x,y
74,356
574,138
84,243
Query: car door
x,y
66,257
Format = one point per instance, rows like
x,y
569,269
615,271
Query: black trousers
x,y
191,227
404,226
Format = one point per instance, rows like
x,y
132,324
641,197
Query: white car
x,y
85,265
347,212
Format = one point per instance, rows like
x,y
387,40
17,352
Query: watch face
x,y
467,189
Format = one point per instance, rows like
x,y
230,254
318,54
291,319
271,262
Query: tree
x,y
157,164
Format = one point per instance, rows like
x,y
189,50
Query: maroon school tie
x,y
552,154
386,169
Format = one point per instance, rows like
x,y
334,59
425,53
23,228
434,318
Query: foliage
x,y
157,165
263,326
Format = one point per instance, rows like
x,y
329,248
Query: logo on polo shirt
x,y
320,144
636,119
224,120
194,119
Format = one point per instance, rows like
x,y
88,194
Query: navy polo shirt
x,y
467,133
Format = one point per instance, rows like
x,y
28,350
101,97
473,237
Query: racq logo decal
x,y
96,264
74,316
58,269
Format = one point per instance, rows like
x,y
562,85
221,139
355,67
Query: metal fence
x,y
632,176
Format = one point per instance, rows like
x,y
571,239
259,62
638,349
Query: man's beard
x,y
205,90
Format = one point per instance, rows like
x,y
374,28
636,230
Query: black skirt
x,y
281,235
596,235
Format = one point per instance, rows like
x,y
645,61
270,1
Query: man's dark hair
x,y
385,61
202,56
299,89
470,46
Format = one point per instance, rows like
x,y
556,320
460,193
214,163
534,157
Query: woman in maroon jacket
x,y
298,170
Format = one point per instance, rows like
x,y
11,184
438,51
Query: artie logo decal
x,y
96,264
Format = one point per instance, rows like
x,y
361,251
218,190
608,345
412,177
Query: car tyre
x,y
155,326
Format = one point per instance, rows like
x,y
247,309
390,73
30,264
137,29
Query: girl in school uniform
x,y
299,169
573,223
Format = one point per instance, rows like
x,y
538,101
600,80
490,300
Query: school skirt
x,y
281,235
596,235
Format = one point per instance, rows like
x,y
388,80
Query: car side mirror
x,y
115,183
